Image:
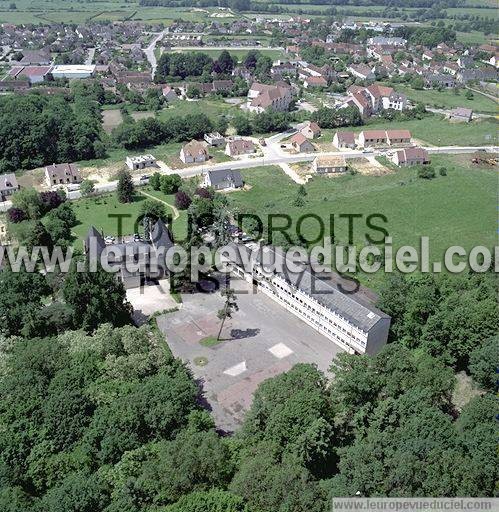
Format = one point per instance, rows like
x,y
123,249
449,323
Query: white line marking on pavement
x,y
280,351
233,371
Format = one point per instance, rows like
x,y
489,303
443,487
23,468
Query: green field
x,y
210,107
458,209
448,99
74,11
239,54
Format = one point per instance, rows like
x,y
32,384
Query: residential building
x,y
193,152
344,140
311,130
349,320
333,164
398,137
410,156
314,82
214,139
240,147
223,179
372,137
169,93
8,185
135,261
461,114
262,97
301,144
361,71
62,174
36,57
387,41
140,162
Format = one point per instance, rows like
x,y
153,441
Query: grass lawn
x,y
98,211
239,54
211,107
458,209
447,99
437,131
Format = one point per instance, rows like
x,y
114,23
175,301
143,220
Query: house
x,y
140,162
451,67
36,57
135,262
73,71
372,137
387,41
8,185
344,140
214,139
62,174
262,97
410,156
240,147
311,130
461,114
349,320
193,152
361,71
169,93
314,81
301,144
439,80
223,179
398,137
329,164
427,55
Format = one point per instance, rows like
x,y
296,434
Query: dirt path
x,y
176,213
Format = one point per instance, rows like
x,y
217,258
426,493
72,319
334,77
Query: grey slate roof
x,y
226,176
353,307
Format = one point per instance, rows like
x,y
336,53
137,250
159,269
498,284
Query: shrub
x,y
16,215
427,173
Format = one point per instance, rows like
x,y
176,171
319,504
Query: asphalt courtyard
x,y
261,341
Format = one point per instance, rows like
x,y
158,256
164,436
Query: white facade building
x,y
73,71
140,162
348,320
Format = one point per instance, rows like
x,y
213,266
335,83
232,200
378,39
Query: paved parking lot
x,y
260,341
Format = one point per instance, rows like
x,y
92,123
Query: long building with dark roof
x,y
348,319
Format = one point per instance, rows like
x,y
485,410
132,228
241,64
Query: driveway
x,y
261,341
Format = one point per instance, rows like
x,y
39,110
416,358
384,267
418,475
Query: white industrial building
x,y
73,71
349,320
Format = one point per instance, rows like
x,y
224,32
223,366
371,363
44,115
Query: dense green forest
x,y
38,130
107,420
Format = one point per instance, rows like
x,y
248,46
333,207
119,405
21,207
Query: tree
x,y
483,363
242,124
155,181
208,501
251,59
221,125
229,308
170,183
442,171
469,95
37,236
182,200
87,188
427,172
21,300
16,215
225,62
28,200
95,298
125,189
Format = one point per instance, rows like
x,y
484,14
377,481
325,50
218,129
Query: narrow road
x,y
149,51
490,96
90,57
273,158
176,213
